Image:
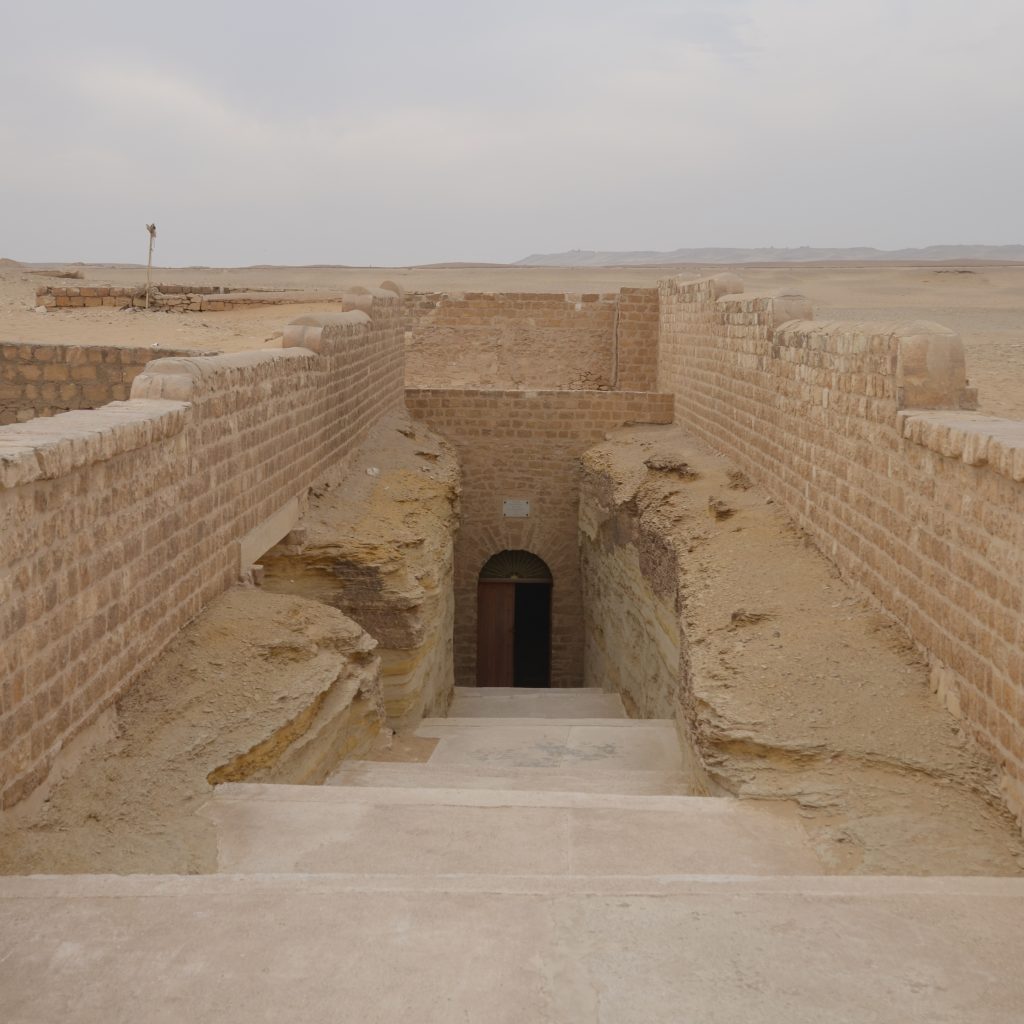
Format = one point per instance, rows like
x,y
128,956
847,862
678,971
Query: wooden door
x,y
495,633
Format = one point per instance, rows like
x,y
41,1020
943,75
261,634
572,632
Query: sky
x,y
398,133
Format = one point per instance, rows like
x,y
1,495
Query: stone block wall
x,y
533,340
172,298
118,524
858,430
45,378
526,445
637,333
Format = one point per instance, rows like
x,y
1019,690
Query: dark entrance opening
x,y
514,621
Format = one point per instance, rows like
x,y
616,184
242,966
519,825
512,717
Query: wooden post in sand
x,y
151,228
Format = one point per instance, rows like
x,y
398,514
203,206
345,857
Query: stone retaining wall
x,y
526,445
533,340
118,524
858,430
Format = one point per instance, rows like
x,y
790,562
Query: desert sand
x,y
983,303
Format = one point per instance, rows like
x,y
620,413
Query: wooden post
x,y
151,228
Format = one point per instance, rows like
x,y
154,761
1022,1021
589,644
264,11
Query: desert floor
x,y
984,304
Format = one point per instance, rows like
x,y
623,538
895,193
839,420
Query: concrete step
x,y
311,950
480,776
520,702
610,744
315,829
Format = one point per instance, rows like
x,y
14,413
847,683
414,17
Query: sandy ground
x,y
985,304
225,699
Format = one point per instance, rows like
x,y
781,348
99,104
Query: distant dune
x,y
804,254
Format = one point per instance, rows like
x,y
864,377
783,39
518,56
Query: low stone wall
x,y
180,298
121,523
857,430
45,378
526,445
533,340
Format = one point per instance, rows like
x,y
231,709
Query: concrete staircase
x,y
530,866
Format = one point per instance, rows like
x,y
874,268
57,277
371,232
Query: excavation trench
x,y
683,589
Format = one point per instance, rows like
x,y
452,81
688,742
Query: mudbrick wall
x,y
118,524
45,378
533,340
526,446
859,431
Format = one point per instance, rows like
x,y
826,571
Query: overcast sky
x,y
299,131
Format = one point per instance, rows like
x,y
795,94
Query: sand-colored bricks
x,y
924,509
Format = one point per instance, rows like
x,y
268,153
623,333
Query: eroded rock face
x,y
702,602
376,542
260,687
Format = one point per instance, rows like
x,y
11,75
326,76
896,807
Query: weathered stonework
x,y
171,298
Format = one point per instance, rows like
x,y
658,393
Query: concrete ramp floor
x,y
311,950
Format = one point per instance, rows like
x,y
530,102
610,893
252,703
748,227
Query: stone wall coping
x,y
975,439
52,446
181,379
930,367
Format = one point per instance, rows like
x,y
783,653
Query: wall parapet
x,y
120,523
863,433
973,438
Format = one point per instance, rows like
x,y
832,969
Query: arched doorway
x,y
513,626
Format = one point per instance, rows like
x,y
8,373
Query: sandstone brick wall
x,y
525,445
858,431
637,349
44,378
533,340
513,339
118,524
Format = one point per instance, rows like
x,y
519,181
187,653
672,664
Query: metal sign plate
x,y
515,508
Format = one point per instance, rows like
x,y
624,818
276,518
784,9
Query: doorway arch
x,y
513,626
